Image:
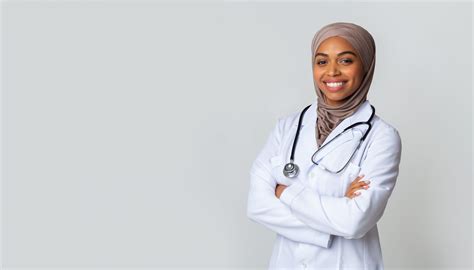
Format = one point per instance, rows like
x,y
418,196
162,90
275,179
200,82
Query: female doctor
x,y
310,182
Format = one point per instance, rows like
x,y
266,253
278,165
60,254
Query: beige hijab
x,y
330,116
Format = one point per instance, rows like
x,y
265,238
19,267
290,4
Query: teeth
x,y
334,84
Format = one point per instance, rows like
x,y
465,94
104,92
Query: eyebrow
x,y
341,53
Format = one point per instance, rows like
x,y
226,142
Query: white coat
x,y
318,227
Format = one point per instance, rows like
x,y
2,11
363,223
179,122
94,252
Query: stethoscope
x,y
291,170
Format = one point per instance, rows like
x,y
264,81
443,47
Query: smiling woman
x,y
338,71
324,218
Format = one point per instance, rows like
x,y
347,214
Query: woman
x,y
325,216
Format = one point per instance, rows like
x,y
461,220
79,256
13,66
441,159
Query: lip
x,y
334,89
326,81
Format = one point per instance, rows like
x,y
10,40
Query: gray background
x,y
129,128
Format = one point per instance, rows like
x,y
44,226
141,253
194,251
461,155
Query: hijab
x,y
362,41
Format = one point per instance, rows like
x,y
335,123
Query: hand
x,y
356,185
279,189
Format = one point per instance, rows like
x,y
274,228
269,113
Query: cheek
x,y
358,80
355,75
317,77
316,73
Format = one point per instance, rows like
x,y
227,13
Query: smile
x,y
334,84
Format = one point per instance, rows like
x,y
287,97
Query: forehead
x,y
335,44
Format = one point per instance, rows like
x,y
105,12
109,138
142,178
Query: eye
x,y
347,61
320,62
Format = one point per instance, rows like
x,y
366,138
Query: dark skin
x,y
337,60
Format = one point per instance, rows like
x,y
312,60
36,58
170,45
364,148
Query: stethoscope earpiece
x,y
291,170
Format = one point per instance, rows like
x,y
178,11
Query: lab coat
x,y
316,226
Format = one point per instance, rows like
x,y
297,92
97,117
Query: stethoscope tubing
x,y
291,170
292,156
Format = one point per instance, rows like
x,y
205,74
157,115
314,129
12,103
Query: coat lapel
x,y
306,145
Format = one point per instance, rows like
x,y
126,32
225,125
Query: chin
x,y
332,98
335,97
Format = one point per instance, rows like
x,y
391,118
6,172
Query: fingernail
x,y
357,193
367,181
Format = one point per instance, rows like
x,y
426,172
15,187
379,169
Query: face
x,y
337,70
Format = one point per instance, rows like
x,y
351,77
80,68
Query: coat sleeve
x,y
352,218
265,208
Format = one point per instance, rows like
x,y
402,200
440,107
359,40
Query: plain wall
x,y
129,128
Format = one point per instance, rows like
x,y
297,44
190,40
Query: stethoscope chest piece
x,y
291,170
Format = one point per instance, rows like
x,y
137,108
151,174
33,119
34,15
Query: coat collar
x,y
307,143
362,114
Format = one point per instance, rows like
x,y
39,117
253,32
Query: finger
x,y
353,195
357,186
352,191
360,183
358,178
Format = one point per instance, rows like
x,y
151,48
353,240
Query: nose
x,y
333,69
